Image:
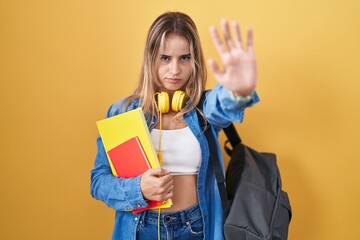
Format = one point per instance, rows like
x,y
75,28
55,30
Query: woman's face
x,y
174,63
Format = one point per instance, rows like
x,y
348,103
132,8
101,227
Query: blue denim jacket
x,y
125,194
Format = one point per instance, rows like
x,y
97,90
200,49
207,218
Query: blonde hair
x,y
167,23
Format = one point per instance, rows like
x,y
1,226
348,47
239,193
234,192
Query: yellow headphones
x,y
178,101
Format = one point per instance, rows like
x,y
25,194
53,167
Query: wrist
x,y
239,98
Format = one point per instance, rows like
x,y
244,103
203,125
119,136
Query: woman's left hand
x,y
239,74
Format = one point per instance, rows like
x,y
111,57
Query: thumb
x,y
214,68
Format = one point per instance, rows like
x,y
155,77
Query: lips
x,y
173,80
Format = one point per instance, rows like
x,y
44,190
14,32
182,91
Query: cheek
x,y
188,70
161,71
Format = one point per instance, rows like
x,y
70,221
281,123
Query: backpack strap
x,y
232,135
214,157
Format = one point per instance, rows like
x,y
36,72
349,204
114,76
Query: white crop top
x,y
181,152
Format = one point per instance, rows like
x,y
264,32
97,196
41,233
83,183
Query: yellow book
x,y
120,128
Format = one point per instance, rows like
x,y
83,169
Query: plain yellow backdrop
x,y
62,63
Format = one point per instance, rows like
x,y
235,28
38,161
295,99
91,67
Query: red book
x,y
129,160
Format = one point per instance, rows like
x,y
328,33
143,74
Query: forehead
x,y
175,44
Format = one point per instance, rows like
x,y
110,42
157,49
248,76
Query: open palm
x,y
239,72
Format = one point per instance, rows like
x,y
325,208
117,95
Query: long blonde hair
x,y
167,23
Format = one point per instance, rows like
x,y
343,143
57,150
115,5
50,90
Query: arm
x,y
221,110
118,193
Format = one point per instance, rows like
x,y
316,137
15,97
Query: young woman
x,y
174,65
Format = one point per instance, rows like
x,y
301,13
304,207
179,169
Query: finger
x,y
220,46
214,67
238,40
162,191
165,178
227,35
168,188
165,188
157,172
250,39
169,195
168,183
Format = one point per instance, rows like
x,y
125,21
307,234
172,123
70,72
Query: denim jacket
x,y
125,194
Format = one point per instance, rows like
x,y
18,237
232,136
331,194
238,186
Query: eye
x,y
185,58
164,58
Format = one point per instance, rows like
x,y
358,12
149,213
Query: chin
x,y
172,88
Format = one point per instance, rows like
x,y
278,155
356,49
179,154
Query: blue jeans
x,y
183,225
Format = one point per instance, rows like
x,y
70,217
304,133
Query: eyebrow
x,y
184,55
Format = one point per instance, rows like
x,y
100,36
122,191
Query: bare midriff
x,y
184,193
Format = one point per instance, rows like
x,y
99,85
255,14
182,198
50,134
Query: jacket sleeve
x,y
118,193
221,110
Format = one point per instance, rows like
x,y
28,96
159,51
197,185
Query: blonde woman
x,y
174,65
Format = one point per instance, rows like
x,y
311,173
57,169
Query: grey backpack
x,y
255,206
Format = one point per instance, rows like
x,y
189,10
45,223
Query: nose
x,y
174,67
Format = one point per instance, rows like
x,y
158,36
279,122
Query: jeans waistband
x,y
166,219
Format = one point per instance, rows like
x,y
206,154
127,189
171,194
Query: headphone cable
x,y
160,163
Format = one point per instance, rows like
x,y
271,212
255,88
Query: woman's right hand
x,y
239,73
156,184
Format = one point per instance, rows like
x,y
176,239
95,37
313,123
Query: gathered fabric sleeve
x,y
221,109
122,194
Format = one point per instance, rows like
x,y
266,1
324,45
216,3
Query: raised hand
x,y
239,73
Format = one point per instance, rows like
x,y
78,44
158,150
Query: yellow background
x,y
62,63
